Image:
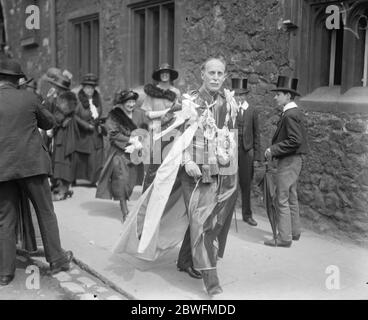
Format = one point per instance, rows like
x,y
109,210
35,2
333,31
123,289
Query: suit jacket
x,y
251,134
23,153
290,137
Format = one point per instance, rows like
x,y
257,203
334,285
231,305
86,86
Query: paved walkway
x,y
249,270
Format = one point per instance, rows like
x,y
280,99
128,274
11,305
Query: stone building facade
x,y
259,40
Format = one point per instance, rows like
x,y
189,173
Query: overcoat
x,y
119,174
23,152
89,145
66,134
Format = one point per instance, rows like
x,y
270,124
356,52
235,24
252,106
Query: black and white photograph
x,y
200,151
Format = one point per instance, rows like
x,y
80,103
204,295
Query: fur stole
x,y
120,117
156,92
84,99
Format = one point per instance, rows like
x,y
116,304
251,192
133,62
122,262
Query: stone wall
x,y
334,185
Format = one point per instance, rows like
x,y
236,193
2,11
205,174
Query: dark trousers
x,y
246,171
38,190
185,259
9,206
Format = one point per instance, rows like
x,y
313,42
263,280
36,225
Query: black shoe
x,y
192,272
250,221
297,237
278,243
63,265
5,280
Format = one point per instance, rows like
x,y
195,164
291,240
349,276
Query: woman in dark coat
x,y
66,134
89,156
60,83
119,174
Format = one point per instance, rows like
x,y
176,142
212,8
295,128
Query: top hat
x,y
239,85
55,77
11,67
165,67
125,95
286,84
90,79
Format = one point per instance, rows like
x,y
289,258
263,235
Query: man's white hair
x,y
221,59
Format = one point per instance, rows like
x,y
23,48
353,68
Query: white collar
x,y
290,105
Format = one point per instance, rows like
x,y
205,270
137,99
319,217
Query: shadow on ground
x,y
104,209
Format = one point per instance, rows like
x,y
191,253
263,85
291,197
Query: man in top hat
x,y
289,143
248,146
24,163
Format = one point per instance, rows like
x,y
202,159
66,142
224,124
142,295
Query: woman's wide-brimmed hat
x,y
165,67
287,84
90,79
239,85
11,67
55,76
123,96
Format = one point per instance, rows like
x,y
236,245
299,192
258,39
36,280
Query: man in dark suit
x,y
289,143
24,163
248,146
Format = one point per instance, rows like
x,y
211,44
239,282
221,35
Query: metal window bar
x,y
94,67
332,57
77,49
365,68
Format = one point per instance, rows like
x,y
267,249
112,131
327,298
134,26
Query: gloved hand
x,y
192,169
135,144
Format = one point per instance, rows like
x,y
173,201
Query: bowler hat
x,y
124,95
90,79
286,84
55,77
165,67
11,67
239,85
